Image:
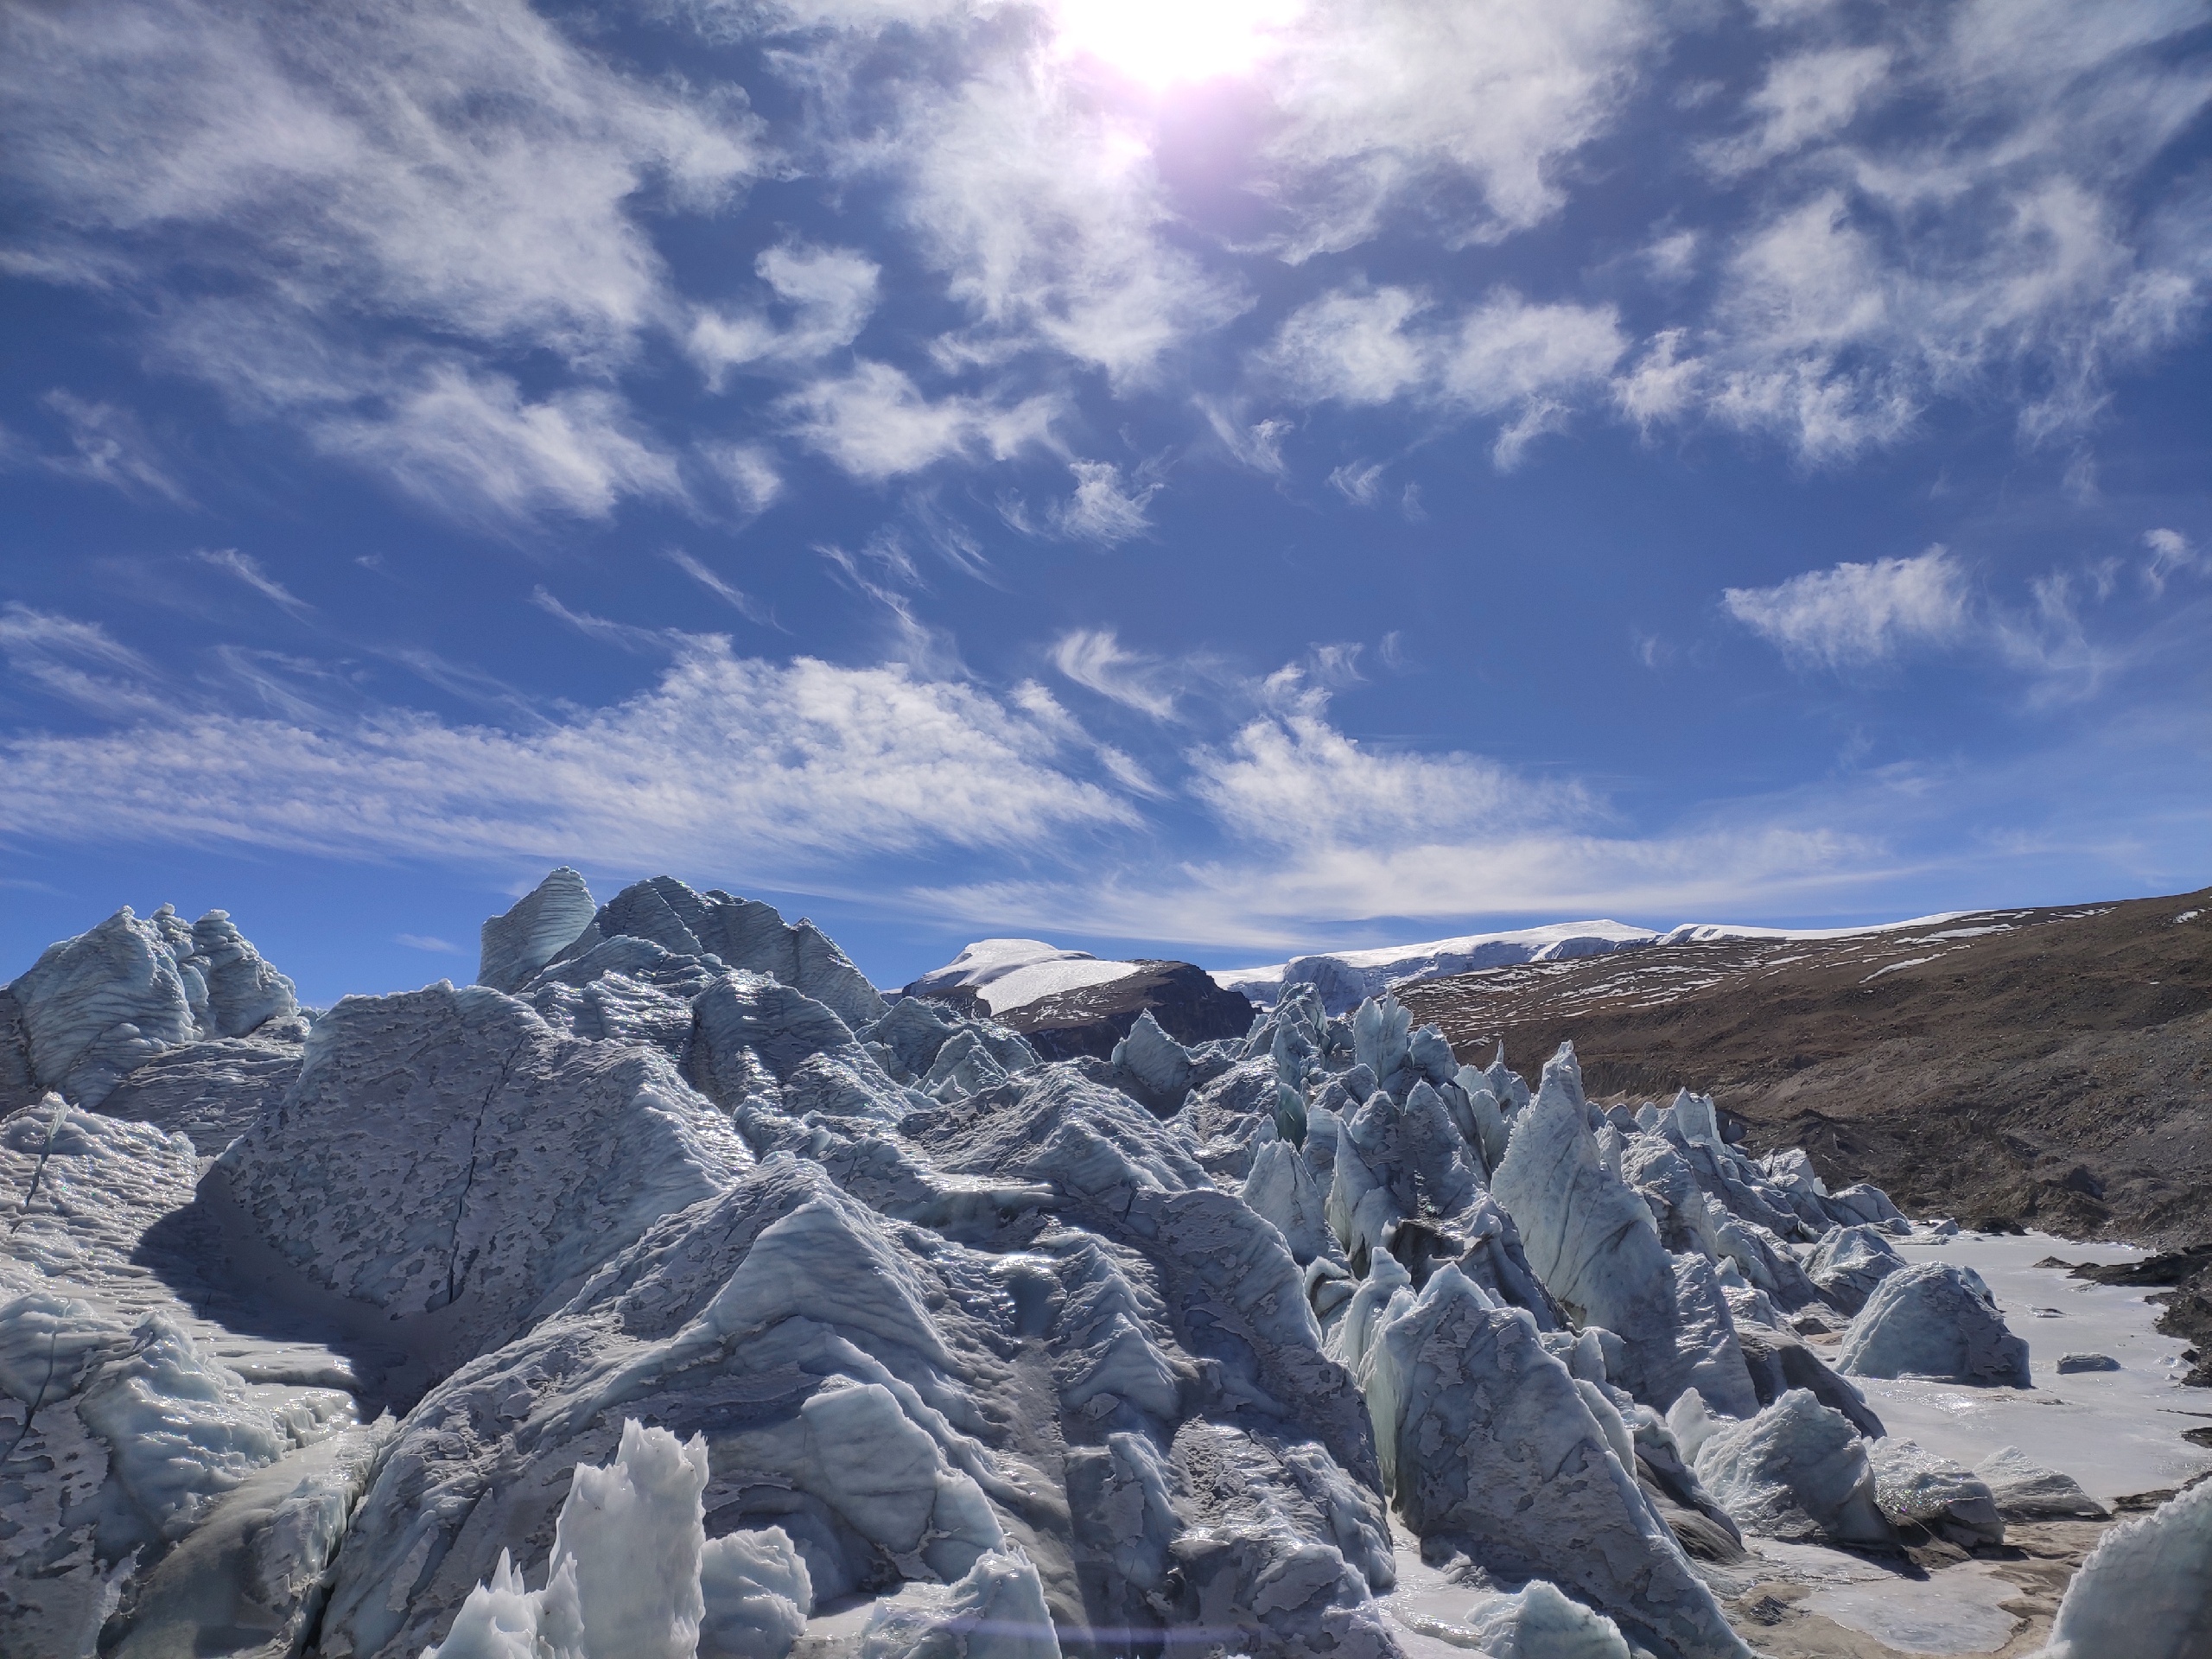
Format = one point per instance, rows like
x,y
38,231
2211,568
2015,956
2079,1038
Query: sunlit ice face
x,y
1159,44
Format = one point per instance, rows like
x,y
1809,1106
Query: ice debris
x,y
1934,1320
2073,1364
1796,1471
1913,1487
1537,1622
2025,1490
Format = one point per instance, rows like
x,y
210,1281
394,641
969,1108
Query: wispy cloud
x,y
426,942
2171,554
826,295
80,661
461,167
1530,363
248,570
736,598
876,424
1859,614
1104,508
1094,659
110,445
773,772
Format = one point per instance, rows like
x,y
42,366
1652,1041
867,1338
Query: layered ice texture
x,y
669,1293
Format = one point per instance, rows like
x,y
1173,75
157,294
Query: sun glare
x,y
1161,42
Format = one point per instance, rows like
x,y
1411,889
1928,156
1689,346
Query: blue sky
x,y
1207,481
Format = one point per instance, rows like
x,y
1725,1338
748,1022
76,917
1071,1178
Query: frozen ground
x,y
2115,1432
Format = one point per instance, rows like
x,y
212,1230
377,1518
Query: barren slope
x,y
2052,1066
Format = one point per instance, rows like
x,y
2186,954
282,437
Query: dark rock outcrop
x,y
1090,1019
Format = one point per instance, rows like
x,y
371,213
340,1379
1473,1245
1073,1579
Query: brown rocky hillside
x,y
2050,1068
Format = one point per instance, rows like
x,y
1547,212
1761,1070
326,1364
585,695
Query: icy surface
x,y
2114,1432
1701,932
2023,1490
1958,1610
1010,974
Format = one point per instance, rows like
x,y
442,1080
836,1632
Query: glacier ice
x,y
1491,1451
1592,1241
94,1008
1914,1487
544,922
1796,1471
448,1149
1849,1263
2145,1591
1537,1622
1934,1320
625,1576
755,1595
995,1611
708,1290
2024,1489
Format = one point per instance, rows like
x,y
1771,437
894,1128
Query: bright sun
x,y
1160,42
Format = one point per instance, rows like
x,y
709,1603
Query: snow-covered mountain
x,y
1346,978
1010,974
668,1294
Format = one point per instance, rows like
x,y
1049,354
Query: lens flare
x,y
1159,43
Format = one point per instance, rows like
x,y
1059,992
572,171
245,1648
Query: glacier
x,y
670,1290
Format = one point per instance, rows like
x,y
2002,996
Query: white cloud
x,y
768,770
1807,96
1290,776
828,292
2171,552
472,446
248,570
459,166
1999,237
749,472
463,163
1103,508
875,423
1380,99
1857,614
1322,830
1094,658
109,446
426,942
1042,207
1504,356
